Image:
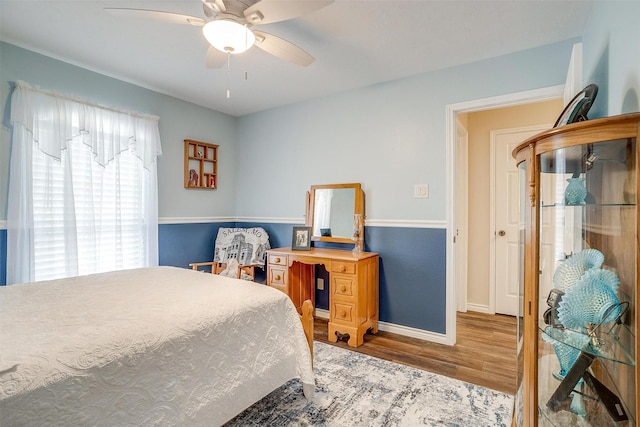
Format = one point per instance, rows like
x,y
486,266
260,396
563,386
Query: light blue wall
x,y
179,120
388,137
611,57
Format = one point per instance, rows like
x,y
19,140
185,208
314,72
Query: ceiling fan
x,y
227,26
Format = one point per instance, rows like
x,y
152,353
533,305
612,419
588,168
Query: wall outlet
x,y
421,191
320,284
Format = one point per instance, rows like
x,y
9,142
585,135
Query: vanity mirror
x,y
331,209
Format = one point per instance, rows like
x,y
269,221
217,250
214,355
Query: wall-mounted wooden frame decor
x,y
200,165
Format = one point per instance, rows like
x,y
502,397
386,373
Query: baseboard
x,y
398,329
323,314
479,308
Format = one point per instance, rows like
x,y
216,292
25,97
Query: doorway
x,y
456,263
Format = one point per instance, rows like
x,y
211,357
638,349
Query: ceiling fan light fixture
x,y
228,36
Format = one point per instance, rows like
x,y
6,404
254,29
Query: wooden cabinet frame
x,y
624,377
200,165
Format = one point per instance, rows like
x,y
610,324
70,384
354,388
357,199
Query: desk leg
x,y
356,337
374,325
301,284
356,340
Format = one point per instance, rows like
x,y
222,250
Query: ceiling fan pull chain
x,y
246,65
246,52
228,73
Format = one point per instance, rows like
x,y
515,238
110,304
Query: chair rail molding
x,y
396,223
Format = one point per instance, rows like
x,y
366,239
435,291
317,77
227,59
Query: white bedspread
x,y
154,346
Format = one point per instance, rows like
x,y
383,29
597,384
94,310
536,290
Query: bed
x,y
151,346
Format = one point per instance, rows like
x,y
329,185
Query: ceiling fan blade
x,y
269,11
158,15
215,58
282,49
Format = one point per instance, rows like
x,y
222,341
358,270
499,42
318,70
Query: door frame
x,y
509,100
462,214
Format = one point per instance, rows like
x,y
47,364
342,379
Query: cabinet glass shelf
x,y
612,346
590,205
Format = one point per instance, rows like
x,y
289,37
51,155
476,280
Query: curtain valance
x,y
54,119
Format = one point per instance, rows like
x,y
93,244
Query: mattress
x,y
151,346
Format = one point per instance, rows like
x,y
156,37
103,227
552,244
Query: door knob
x,y
501,233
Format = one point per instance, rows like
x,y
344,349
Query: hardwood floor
x,y
484,353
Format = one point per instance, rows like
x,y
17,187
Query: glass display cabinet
x,y
579,273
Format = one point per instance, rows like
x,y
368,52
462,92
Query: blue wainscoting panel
x,y
412,265
412,275
181,244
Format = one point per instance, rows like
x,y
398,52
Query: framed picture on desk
x,y
301,239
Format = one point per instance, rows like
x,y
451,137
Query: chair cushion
x,y
247,245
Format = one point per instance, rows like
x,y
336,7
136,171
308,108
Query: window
x,y
82,192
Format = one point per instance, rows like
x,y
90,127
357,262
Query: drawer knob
x,y
278,277
343,313
342,268
277,259
343,289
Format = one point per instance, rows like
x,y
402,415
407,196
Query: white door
x,y
505,187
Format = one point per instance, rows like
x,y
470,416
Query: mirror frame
x,y
358,208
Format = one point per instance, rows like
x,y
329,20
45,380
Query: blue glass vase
x,y
575,192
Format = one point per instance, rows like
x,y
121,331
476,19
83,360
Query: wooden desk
x,y
353,286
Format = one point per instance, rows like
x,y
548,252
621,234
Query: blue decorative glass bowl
x,y
575,192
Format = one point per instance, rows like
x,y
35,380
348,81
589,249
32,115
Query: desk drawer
x,y
342,312
277,259
277,276
343,285
343,267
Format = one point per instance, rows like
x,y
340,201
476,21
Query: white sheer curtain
x,y
82,187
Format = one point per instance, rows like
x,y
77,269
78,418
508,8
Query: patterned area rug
x,y
353,389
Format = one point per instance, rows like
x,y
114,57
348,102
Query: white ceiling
x,y
356,43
